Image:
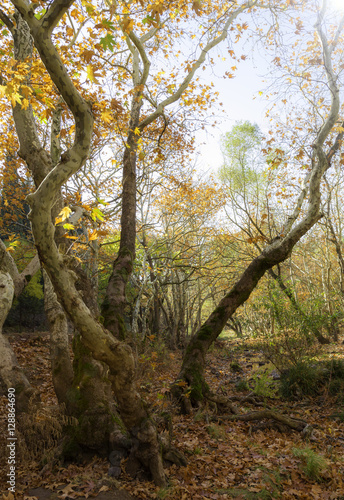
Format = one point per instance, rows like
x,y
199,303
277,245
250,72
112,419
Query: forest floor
x,y
228,459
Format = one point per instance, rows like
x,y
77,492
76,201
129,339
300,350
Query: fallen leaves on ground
x,y
227,460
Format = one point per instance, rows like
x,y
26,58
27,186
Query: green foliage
x,y
239,147
235,367
242,385
302,379
288,336
264,385
313,464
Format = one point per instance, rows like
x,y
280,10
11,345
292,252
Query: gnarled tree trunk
x,y
101,343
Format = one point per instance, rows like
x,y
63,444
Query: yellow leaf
x,y
63,215
25,104
137,131
90,74
2,90
106,116
15,98
93,236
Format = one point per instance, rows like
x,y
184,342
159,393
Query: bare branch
x,y
183,86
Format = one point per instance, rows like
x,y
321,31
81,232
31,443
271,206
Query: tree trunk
x,y
61,363
100,342
115,305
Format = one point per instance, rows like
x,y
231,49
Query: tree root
x,y
276,420
284,420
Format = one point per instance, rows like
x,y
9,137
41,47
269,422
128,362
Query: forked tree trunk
x,y
100,342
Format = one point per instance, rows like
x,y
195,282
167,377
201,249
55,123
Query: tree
x,y
49,178
326,142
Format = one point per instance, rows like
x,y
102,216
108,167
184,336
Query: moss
x,y
71,448
204,333
198,386
194,345
118,421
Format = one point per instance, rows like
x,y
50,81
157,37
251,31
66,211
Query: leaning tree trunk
x,y
99,341
190,386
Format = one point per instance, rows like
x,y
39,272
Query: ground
x,y
227,459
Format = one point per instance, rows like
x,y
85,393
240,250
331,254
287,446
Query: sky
x,y
240,98
241,101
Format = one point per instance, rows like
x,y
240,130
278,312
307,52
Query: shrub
x,y
303,379
313,463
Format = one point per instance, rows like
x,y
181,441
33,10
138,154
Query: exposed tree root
x,y
295,424
279,421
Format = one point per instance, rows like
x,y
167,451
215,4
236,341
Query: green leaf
x,y
97,214
102,202
108,42
147,19
40,14
108,24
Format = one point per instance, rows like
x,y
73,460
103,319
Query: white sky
x,y
240,98
237,95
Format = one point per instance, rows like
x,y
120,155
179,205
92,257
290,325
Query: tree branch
x,y
183,86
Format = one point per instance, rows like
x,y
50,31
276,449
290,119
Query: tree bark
x,y
61,364
101,343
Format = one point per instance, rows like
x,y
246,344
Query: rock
x,y
114,471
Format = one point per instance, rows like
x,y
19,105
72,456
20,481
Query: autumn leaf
x,y
127,24
91,75
63,215
15,98
92,236
197,7
106,116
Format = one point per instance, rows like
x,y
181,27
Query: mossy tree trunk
x,y
115,304
102,345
